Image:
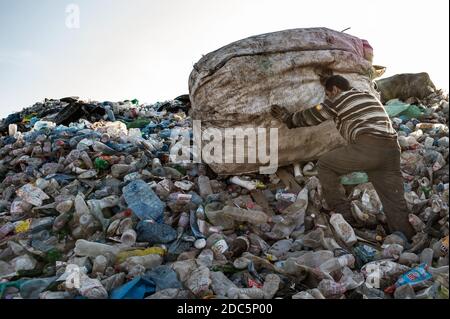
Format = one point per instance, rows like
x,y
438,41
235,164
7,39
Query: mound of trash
x,y
93,206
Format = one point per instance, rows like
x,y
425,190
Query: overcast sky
x,y
125,49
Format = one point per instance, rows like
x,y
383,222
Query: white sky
x,y
128,49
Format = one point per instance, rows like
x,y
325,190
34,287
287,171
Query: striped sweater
x,y
354,112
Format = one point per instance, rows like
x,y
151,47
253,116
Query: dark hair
x,y
338,81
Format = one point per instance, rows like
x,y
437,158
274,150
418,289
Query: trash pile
x,y
93,207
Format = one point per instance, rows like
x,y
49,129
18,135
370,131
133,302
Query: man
x,y
372,147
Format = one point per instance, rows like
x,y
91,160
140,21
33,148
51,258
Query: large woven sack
x,y
235,86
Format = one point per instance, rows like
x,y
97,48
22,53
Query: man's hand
x,y
280,113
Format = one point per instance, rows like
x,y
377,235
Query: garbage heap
x,y
93,207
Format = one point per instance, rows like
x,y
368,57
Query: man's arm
x,y
309,117
313,116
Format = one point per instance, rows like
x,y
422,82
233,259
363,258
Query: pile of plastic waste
x,y
92,206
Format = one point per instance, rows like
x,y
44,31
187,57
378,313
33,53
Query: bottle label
x,y
444,246
220,246
415,276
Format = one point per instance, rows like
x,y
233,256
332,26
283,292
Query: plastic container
x,y
244,215
338,263
343,229
128,237
92,249
204,186
144,203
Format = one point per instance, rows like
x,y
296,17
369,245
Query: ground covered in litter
x,y
93,207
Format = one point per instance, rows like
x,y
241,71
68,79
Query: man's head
x,y
336,84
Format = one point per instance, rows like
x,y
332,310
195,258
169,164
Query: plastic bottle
x,y
204,186
440,248
123,255
220,283
205,258
404,292
244,215
32,194
298,174
84,156
80,205
309,169
331,288
435,272
33,287
217,218
416,223
92,249
252,293
338,263
155,233
146,261
6,229
102,148
124,214
408,259
91,288
390,251
241,263
54,295
12,129
100,264
343,229
413,277
280,248
217,243
271,285
249,185
426,256
143,201
120,170
199,282
72,157
128,237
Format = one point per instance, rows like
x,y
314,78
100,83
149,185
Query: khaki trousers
x,y
380,158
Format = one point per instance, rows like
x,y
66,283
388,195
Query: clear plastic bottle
x,y
426,256
404,292
32,288
252,293
271,285
100,264
343,229
128,237
416,223
408,259
314,259
102,148
84,156
204,186
147,261
244,215
199,282
92,249
390,251
331,288
120,170
6,229
338,263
